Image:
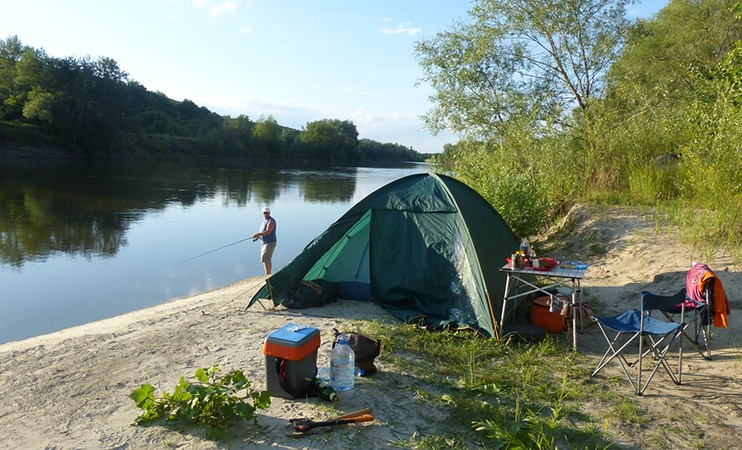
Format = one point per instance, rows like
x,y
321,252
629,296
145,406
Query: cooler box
x,y
542,317
291,360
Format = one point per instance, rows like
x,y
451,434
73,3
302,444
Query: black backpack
x,y
365,348
311,293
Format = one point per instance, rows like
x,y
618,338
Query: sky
x,y
295,60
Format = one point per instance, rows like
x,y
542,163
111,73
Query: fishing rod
x,y
216,249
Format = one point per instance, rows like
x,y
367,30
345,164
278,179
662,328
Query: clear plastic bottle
x,y
525,247
342,365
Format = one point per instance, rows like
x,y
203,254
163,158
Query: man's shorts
x,y
266,252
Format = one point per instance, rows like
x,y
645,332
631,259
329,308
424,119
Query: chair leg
x,y
706,331
661,356
638,389
701,329
615,353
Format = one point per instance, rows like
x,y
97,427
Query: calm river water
x,y
82,242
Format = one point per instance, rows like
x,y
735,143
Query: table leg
x,y
504,303
575,311
579,302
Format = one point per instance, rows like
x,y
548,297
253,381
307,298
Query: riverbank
x,y
71,389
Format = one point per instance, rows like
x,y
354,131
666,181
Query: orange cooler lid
x,y
292,342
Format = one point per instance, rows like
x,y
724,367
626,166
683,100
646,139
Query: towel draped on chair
x,y
695,283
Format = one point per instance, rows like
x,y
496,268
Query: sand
x,y
71,389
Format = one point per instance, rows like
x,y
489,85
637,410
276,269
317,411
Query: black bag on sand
x,y
365,348
311,293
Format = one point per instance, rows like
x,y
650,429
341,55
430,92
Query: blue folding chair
x,y
657,335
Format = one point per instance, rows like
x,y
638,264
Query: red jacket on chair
x,y
695,283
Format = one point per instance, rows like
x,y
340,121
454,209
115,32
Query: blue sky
x,y
298,61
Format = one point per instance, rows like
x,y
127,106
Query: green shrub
x,y
503,180
211,401
648,184
522,203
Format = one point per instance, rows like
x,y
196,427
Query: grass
x,y
432,442
503,395
717,228
627,409
507,395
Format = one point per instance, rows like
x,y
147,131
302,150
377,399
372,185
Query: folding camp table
x,y
555,277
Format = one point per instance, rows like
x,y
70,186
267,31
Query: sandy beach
x,y
70,389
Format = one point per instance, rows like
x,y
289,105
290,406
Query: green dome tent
x,y
424,247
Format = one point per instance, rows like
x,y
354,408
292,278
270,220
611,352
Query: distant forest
x,y
89,108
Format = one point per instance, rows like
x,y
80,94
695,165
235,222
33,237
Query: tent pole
x,y
270,291
492,316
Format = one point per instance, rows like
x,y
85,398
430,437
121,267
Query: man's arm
x,y
269,229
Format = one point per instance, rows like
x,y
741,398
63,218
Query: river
x,y
81,242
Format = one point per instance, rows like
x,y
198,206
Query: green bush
x,y
211,401
648,184
522,203
521,198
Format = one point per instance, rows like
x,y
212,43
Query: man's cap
x,y
268,210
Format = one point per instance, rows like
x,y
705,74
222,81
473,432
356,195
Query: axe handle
x,y
355,414
309,425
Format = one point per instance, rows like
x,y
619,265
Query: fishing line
x,y
216,249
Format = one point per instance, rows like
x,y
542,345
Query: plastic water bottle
x,y
342,365
525,247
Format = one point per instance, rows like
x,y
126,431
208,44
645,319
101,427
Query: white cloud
x,y
219,8
402,28
246,29
216,8
293,114
357,92
394,127
377,123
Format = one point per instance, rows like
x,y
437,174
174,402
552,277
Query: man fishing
x,y
268,235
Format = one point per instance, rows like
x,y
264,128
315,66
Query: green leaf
x,y
144,396
201,375
245,411
262,399
181,393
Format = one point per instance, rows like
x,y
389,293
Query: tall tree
x,y
267,134
16,76
520,59
661,79
662,54
331,141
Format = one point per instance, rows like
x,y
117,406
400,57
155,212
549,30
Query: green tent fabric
x,y
425,247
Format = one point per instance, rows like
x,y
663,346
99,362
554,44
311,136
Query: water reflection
x,y
82,242
86,209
